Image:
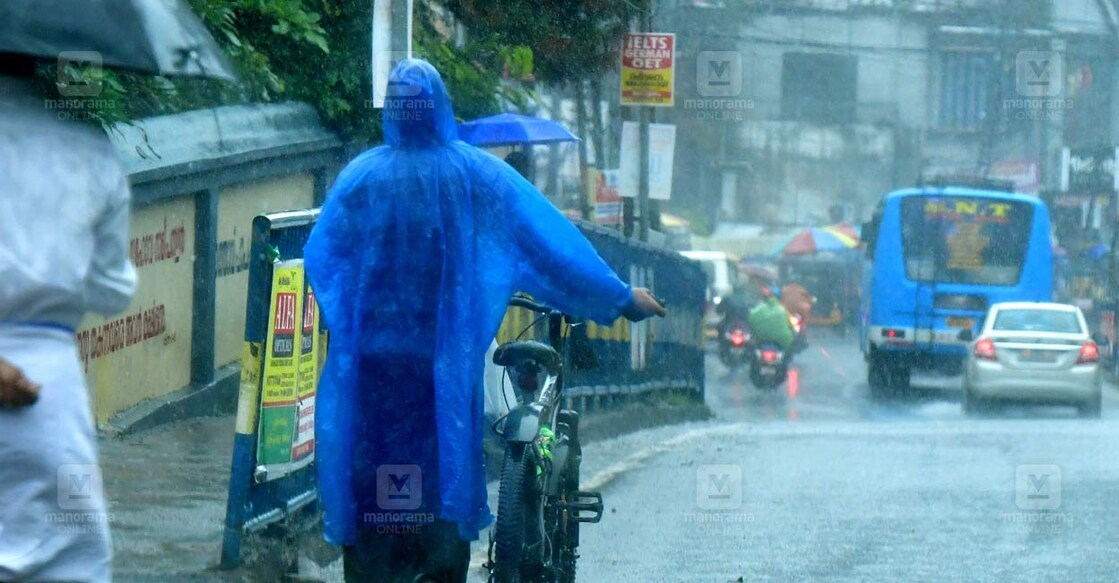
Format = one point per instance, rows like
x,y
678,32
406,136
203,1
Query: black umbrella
x,y
161,37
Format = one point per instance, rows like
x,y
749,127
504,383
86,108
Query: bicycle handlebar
x,y
523,302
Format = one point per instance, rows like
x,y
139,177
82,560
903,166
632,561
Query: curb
x,y
216,398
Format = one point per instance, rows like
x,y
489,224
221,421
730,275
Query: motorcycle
x,y
734,343
769,368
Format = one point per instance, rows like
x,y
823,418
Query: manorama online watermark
x,y
398,522
1033,108
405,108
718,523
79,522
713,109
1051,522
77,109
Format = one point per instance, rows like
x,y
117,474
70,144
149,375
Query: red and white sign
x,y
309,312
1025,174
607,200
285,313
648,69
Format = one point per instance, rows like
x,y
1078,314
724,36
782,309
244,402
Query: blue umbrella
x,y
505,129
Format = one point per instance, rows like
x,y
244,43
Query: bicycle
x,y
540,506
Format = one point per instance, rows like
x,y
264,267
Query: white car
x,y
1033,352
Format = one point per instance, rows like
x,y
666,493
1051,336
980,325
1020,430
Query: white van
x,y
722,277
721,269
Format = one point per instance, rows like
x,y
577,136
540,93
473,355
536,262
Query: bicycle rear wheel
x,y
564,553
566,528
517,525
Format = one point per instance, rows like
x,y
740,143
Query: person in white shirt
x,y
64,217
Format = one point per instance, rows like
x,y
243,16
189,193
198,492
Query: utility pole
x,y
645,112
580,94
993,107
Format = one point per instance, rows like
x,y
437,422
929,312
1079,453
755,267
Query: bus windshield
x,y
953,239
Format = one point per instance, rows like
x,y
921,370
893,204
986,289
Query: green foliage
x,y
315,51
570,40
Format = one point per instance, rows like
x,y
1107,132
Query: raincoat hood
x,y
418,112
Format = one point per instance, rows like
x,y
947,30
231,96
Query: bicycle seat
x,y
514,354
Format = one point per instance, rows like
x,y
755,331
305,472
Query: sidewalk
x,y
167,490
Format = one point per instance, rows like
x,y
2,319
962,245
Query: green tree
x,y
309,50
571,40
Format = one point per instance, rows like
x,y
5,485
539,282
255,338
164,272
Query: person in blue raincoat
x,y
420,244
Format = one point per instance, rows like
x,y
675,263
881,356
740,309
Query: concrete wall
x,y
146,351
237,206
1080,17
892,83
791,172
198,180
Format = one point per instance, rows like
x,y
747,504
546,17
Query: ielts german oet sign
x,y
648,61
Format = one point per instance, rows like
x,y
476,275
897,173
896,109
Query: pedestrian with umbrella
x,y
515,130
64,251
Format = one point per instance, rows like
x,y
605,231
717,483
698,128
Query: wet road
x,y
818,483
823,483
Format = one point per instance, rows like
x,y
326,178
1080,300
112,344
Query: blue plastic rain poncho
x,y
420,244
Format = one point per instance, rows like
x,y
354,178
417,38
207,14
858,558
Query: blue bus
x,y
938,257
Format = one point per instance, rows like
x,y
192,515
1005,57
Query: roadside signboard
x,y
303,446
607,200
1089,170
282,447
272,475
662,148
1025,174
648,69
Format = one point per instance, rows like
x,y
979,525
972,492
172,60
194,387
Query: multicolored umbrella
x,y
815,239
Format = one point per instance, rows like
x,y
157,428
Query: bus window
x,y
965,240
870,233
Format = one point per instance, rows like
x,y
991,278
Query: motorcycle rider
x,y
734,308
798,302
769,324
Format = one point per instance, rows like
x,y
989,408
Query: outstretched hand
x,y
16,390
643,305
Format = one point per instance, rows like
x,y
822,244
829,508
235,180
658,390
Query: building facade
x,y
790,111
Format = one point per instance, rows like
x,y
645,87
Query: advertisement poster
x,y
662,150
248,392
607,200
279,394
303,448
648,69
